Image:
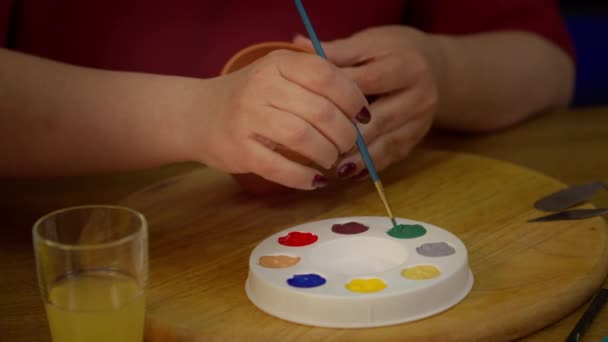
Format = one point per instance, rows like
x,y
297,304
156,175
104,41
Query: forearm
x,y
61,119
490,81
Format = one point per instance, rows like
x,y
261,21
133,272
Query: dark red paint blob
x,y
298,239
349,228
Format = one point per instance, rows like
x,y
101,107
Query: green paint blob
x,y
407,231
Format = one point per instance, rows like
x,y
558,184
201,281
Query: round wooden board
x,y
527,275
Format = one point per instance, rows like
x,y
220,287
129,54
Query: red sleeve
x,y
469,16
6,8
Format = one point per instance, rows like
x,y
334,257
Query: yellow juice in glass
x,y
99,306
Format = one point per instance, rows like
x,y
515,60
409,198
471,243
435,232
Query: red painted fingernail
x,y
361,175
347,169
319,181
364,116
371,98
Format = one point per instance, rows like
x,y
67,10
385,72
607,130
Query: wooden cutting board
x,y
527,275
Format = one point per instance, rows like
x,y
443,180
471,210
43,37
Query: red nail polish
x,y
346,170
371,98
364,116
361,175
319,181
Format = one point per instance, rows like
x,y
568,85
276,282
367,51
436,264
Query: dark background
x,y
587,22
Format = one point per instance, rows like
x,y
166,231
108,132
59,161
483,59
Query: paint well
x,y
421,272
298,239
349,228
357,255
366,285
435,249
306,280
278,261
407,231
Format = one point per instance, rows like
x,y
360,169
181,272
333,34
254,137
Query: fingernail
x,y
361,175
364,116
319,181
371,98
346,169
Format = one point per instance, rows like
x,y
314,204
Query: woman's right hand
x,y
290,99
129,120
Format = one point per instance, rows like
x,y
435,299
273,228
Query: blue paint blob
x,y
306,280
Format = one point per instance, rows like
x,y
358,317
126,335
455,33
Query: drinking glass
x,y
92,265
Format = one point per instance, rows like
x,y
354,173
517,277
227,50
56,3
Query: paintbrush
x,y
369,163
588,316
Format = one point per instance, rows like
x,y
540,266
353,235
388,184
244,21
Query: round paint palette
x,y
358,272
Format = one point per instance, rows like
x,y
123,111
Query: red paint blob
x,y
298,239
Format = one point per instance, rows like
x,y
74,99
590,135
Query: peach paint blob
x,y
366,285
421,272
298,239
278,261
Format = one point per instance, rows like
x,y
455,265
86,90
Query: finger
x,y
276,168
302,41
394,146
381,75
319,112
341,52
321,77
296,134
398,108
387,149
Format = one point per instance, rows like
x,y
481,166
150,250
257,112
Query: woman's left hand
x,y
393,65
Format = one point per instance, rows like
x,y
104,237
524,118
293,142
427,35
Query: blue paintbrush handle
x,y
367,159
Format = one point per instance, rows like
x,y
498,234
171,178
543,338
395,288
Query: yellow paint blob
x,y
366,285
278,261
421,272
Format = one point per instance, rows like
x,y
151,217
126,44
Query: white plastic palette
x,y
358,278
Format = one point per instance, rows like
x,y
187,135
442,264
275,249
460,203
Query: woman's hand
x,y
295,100
393,65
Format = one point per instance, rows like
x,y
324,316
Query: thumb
x,y
341,52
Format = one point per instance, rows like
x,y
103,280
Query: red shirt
x,y
196,37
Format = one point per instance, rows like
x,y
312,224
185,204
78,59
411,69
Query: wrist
x,y
432,47
179,107
158,119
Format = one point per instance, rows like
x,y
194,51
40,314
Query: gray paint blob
x,y
435,249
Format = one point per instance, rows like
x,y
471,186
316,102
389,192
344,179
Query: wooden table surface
x,y
569,146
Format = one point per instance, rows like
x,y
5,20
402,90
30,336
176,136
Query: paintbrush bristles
x,y
387,206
